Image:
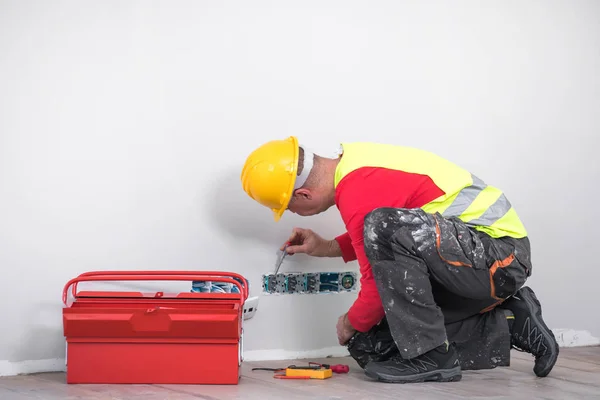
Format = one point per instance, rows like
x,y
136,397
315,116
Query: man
x,y
443,257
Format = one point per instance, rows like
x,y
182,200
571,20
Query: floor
x,y
575,376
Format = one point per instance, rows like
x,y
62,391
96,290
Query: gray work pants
x,y
438,280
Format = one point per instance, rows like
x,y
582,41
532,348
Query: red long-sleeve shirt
x,y
357,194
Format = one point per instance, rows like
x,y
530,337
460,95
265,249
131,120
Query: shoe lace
x,y
422,363
530,340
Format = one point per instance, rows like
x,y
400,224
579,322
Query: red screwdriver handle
x,y
340,368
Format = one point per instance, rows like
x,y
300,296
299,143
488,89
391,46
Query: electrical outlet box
x,y
309,283
250,307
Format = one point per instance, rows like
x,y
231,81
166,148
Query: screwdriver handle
x,y
340,368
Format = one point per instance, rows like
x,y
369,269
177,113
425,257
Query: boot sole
x,y
549,338
440,375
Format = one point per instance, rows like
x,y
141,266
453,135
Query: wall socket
x,y
250,307
309,282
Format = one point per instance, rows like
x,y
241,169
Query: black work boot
x,y
437,365
529,332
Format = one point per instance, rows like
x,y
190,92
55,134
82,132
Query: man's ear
x,y
303,193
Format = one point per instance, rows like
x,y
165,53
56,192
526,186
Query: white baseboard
x,y
8,368
280,354
573,338
564,337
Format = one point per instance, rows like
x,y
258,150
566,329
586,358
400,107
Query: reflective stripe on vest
x,y
466,197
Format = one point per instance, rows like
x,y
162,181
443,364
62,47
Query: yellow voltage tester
x,y
312,371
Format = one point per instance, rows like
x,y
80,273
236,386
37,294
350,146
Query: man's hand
x,y
345,331
308,242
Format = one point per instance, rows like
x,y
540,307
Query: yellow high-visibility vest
x,y
467,197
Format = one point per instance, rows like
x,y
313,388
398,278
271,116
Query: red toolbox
x,y
163,338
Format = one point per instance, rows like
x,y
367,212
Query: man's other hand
x,y
345,331
308,242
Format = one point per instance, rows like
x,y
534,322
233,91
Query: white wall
x,y
124,126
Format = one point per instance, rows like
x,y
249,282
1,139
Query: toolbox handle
x,y
154,276
245,290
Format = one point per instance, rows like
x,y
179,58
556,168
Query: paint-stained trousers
x,y
439,280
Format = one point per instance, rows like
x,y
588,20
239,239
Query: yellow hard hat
x,y
269,174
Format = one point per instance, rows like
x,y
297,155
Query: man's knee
x,y
515,266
